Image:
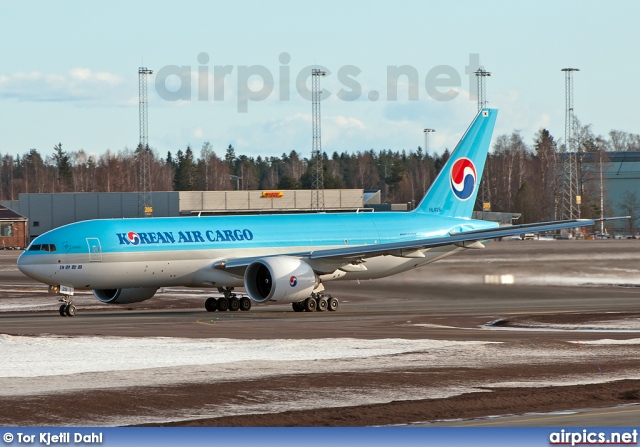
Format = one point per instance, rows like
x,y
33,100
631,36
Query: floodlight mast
x,y
485,195
317,193
144,153
571,196
481,75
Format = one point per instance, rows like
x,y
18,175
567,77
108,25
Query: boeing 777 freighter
x,y
276,258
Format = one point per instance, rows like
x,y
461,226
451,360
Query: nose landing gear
x,y
67,309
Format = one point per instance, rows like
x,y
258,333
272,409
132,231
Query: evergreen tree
x,y
184,177
63,165
288,182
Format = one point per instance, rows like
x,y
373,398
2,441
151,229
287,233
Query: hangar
x,y
621,173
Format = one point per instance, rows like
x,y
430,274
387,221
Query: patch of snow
x,y
56,355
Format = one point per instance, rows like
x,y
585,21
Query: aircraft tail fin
x,y
454,192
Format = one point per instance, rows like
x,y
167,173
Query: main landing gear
x,y
230,301
316,302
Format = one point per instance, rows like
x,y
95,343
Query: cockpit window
x,y
43,247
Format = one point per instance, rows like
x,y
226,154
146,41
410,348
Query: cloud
x,y
79,84
345,122
364,130
526,117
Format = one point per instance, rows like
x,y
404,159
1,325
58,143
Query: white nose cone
x,y
28,267
22,265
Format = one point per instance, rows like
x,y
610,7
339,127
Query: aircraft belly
x,y
382,266
116,274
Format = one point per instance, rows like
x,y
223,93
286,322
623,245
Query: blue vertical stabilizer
x,y
453,194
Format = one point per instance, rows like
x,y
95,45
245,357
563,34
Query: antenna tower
x,y
145,206
570,183
317,196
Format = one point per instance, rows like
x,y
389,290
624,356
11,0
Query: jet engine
x,y
125,296
281,279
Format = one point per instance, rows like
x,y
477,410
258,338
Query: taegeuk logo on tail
x,y
463,178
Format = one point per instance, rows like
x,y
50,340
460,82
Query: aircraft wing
x,y
366,251
455,238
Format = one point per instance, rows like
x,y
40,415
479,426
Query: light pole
x,y
385,179
274,164
426,139
601,197
237,179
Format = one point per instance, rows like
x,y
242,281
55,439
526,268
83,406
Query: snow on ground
x,y
526,256
633,341
21,298
56,364
48,364
524,275
55,355
617,326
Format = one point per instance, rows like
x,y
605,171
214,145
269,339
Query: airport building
x,y
621,174
48,211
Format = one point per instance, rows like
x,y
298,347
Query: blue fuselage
x,y
183,250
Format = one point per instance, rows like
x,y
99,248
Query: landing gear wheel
x,y
234,304
322,304
298,306
245,304
223,304
70,310
310,304
333,304
67,309
211,304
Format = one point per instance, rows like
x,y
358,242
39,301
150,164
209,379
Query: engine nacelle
x,y
125,296
281,279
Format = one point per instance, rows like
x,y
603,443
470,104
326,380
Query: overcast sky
x,y
237,72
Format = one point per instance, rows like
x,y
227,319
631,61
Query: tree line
x,y
518,177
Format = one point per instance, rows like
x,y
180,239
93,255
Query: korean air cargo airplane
x,y
276,258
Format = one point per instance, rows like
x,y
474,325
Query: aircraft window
x,y
43,247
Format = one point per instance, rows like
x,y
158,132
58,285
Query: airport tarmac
x,y
520,333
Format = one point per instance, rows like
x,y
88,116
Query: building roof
x,y
7,214
610,157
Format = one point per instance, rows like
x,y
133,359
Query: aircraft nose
x,y
21,263
24,266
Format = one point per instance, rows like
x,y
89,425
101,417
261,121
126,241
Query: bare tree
x,y
629,206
